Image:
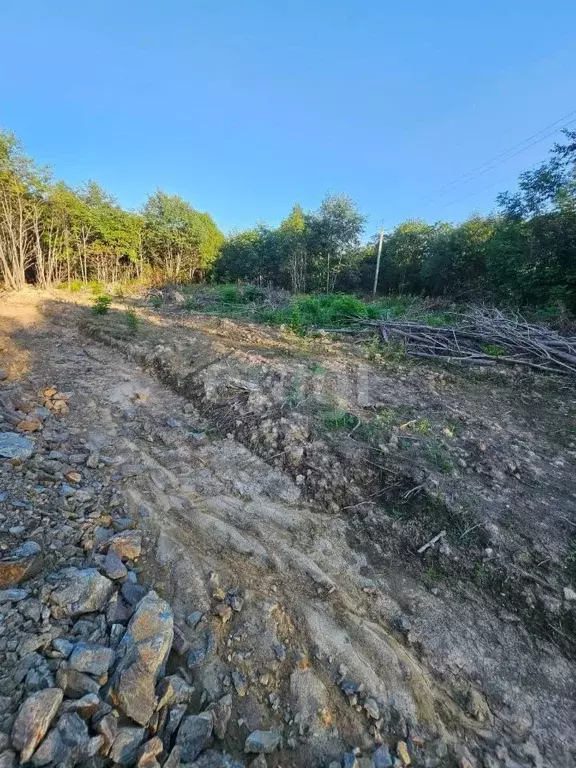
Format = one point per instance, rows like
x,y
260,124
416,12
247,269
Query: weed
x,y
132,320
339,419
495,350
437,455
96,287
75,286
317,369
156,302
423,427
102,304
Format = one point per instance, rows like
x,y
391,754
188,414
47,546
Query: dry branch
x,y
517,342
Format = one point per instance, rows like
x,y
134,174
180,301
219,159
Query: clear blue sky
x,y
246,107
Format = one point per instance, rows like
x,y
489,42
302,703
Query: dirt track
x,y
446,667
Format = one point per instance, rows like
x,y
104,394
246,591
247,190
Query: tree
x,y
333,236
178,240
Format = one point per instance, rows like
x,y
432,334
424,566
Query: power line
x,y
506,155
490,186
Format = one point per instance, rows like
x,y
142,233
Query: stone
x,y
194,736
113,566
33,720
403,754
262,741
382,758
51,751
74,737
350,760
133,593
28,425
3,374
240,683
63,646
75,684
151,749
118,611
126,545
221,713
569,595
193,619
372,708
126,743
173,759
175,715
224,612
107,727
84,591
173,690
260,762
14,446
7,759
94,659
13,595
22,563
142,652
86,706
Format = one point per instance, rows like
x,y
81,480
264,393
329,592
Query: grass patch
x,y
337,419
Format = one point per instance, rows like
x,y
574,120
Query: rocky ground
x,y
173,592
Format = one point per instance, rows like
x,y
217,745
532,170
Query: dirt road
x,y
320,645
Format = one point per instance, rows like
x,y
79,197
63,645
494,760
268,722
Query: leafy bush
x,y
96,287
132,320
102,304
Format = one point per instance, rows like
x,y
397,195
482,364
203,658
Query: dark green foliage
x,y
102,304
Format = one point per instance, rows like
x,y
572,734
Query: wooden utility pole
x,y
377,273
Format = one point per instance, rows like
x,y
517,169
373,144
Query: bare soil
x,y
243,467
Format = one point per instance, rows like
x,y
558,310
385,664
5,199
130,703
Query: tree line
x,y
51,233
523,253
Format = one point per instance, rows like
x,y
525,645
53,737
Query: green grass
x,y
337,419
495,350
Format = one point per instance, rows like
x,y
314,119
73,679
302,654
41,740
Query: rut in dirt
x,y
308,638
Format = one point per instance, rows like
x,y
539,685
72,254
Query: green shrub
x,y
229,294
96,287
102,304
132,320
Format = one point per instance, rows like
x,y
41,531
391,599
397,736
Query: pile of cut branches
x,y
484,337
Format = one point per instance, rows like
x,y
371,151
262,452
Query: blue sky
x,y
245,108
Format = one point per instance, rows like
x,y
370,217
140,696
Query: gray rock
x,y
221,712
260,762
74,738
87,706
51,751
194,735
133,593
240,683
107,727
262,741
193,619
14,446
350,760
143,652
13,595
84,591
75,684
118,611
63,646
382,758
114,568
3,374
7,759
126,743
372,708
173,690
173,759
33,720
93,659
175,715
